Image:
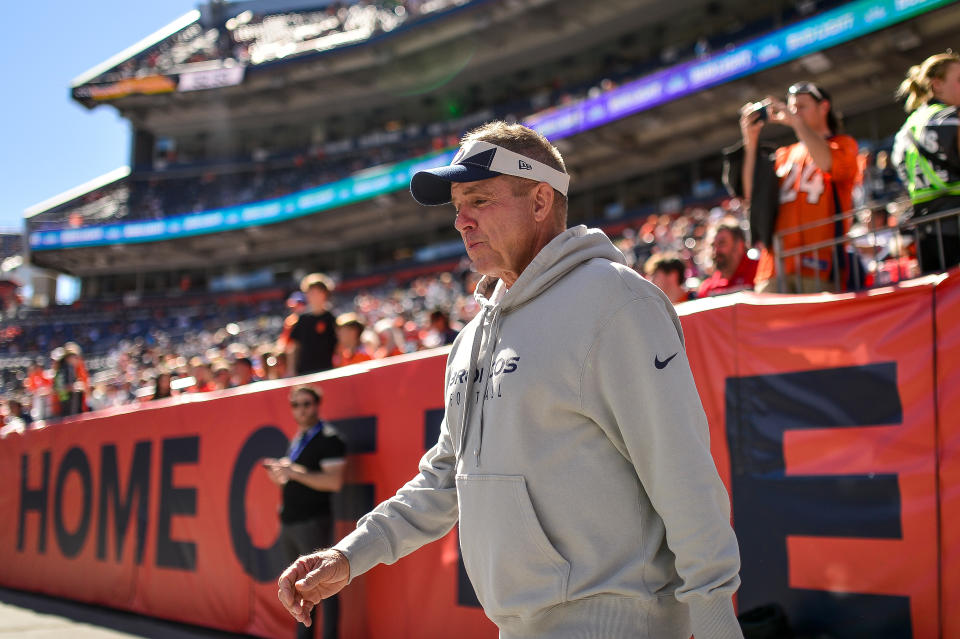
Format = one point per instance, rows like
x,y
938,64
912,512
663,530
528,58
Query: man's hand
x,y
781,114
278,470
311,579
750,125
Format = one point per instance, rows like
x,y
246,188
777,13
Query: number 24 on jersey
x,y
810,182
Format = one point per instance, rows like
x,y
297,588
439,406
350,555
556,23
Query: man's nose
x,y
464,222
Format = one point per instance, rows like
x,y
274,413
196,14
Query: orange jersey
x,y
347,357
805,197
37,382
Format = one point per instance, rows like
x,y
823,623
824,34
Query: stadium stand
x,y
402,80
256,106
177,184
261,34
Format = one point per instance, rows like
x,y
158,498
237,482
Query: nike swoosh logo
x,y
663,364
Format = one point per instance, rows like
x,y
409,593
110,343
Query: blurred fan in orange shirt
x,y
817,174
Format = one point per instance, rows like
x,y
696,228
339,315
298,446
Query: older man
x,y
574,450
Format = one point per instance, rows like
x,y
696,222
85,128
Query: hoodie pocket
x,y
514,568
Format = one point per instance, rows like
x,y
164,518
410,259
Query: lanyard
x,y
300,441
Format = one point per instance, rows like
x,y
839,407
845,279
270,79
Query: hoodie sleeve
x,y
637,386
423,510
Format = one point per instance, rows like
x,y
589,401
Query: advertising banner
x,y
146,85
211,78
165,509
832,423
947,356
362,186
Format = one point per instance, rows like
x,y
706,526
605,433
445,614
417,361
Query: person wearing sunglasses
x,y
927,155
816,176
308,475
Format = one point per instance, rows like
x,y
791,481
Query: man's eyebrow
x,y
467,190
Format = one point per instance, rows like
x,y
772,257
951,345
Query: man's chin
x,y
476,260
482,268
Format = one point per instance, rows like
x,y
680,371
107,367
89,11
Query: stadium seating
x,y
176,186
256,39
183,185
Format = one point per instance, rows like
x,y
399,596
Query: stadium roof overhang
x,y
475,44
390,217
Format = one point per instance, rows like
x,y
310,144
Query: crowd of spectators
x,y
267,173
142,353
145,352
252,38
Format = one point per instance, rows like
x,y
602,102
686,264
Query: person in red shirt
x,y
349,349
202,375
814,173
733,271
391,337
40,387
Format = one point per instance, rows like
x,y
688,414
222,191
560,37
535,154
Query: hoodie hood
x,y
562,254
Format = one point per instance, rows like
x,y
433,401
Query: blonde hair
x,y
350,319
318,280
917,88
525,141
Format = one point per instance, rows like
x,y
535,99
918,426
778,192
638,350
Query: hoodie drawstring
x,y
485,336
491,345
468,390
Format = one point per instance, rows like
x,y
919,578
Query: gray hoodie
x,y
575,453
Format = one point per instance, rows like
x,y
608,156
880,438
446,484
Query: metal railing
x,y
806,258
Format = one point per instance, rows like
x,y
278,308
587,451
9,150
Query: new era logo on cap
x,y
525,166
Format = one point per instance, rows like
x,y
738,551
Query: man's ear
x,y
542,201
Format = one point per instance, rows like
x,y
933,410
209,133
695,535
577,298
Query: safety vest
x,y
925,153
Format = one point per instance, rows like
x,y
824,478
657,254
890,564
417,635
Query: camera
x,y
760,108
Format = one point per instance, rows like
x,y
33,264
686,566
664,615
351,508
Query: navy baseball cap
x,y
478,160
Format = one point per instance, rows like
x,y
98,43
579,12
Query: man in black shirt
x,y
310,473
313,339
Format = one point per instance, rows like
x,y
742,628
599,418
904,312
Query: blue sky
x,y
50,143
